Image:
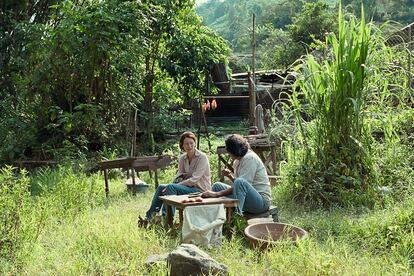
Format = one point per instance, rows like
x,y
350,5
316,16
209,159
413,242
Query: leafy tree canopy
x,y
72,71
301,21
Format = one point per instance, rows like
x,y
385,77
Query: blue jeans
x,y
249,199
172,189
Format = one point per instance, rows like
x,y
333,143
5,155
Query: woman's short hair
x,y
237,145
187,134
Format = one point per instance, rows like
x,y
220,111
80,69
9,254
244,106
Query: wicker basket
x,y
266,234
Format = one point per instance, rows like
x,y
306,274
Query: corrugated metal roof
x,y
401,36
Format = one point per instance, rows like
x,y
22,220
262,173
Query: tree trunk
x,y
149,81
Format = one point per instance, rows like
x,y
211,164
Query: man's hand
x,y
228,173
210,194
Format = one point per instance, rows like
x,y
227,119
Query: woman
x,y
193,175
250,183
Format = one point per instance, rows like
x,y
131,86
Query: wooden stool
x,y
272,213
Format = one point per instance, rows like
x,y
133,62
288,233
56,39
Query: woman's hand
x,y
210,194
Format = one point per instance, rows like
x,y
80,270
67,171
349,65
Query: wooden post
x,y
410,51
201,99
203,121
156,178
252,98
181,216
168,216
252,76
200,121
219,168
134,135
254,52
106,183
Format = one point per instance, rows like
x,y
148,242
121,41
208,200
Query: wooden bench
x,y
136,164
176,201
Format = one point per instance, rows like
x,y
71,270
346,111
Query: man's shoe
x,y
142,222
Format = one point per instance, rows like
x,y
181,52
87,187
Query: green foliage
x,y
75,76
59,195
279,51
389,231
14,208
74,72
203,49
180,46
310,24
381,11
67,193
314,21
233,19
285,29
348,132
334,157
341,241
291,26
98,235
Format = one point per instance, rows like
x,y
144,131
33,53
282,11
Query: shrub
x,y
14,207
331,159
66,192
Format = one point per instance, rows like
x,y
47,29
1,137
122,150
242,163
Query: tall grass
x,y
14,204
80,232
334,153
59,195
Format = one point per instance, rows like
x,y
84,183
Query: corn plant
x,y
330,94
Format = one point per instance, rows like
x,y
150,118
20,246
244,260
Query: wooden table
x,y
34,163
136,164
266,152
175,201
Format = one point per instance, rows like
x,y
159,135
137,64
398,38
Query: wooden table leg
x,y
219,168
106,183
274,159
133,176
180,213
168,215
156,178
229,214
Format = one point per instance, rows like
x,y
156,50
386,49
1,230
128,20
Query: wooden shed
x,y
236,104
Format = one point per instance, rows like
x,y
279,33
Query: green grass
x,y
104,238
68,227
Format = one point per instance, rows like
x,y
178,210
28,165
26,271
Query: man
x,y
250,182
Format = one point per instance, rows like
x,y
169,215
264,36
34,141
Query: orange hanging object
x,y
207,105
213,104
203,107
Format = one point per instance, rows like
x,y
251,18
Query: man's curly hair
x,y
237,145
